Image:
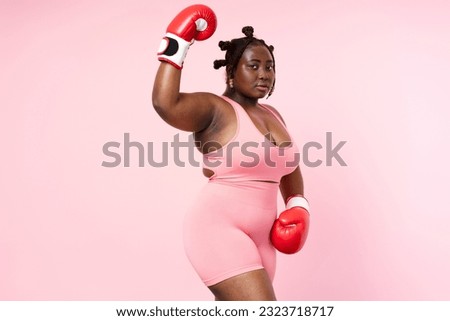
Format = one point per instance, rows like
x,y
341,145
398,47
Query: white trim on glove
x,y
177,58
297,200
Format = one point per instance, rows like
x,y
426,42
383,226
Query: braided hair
x,y
234,50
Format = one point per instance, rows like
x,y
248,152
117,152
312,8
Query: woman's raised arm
x,y
193,111
185,111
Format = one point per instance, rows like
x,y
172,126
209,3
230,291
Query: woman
x,y
248,154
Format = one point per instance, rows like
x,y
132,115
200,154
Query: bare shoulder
x,y
206,99
210,107
275,111
192,111
217,103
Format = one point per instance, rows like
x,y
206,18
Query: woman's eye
x,y
269,67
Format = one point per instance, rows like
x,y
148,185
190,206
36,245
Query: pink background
x,y
77,74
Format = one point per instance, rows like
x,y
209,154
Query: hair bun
x,y
224,45
248,31
219,63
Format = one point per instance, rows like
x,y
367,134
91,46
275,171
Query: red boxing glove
x,y
197,22
290,230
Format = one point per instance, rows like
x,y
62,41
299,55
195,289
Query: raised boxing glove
x,y
290,229
196,22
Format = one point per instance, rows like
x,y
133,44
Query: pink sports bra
x,y
249,155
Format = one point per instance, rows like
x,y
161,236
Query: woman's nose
x,y
263,74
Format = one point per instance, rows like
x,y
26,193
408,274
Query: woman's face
x,y
255,74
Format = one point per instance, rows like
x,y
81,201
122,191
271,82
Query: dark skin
x,y
212,119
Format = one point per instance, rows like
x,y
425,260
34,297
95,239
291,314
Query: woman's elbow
x,y
162,112
159,104
163,103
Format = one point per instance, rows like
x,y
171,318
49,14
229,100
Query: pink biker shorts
x,y
226,231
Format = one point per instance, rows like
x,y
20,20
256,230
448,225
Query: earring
x,y
230,83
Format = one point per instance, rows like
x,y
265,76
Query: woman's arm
x,y
290,229
190,112
292,184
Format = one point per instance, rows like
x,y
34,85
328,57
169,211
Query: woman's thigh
x,y
250,286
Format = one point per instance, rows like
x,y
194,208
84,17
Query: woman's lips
x,y
262,87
